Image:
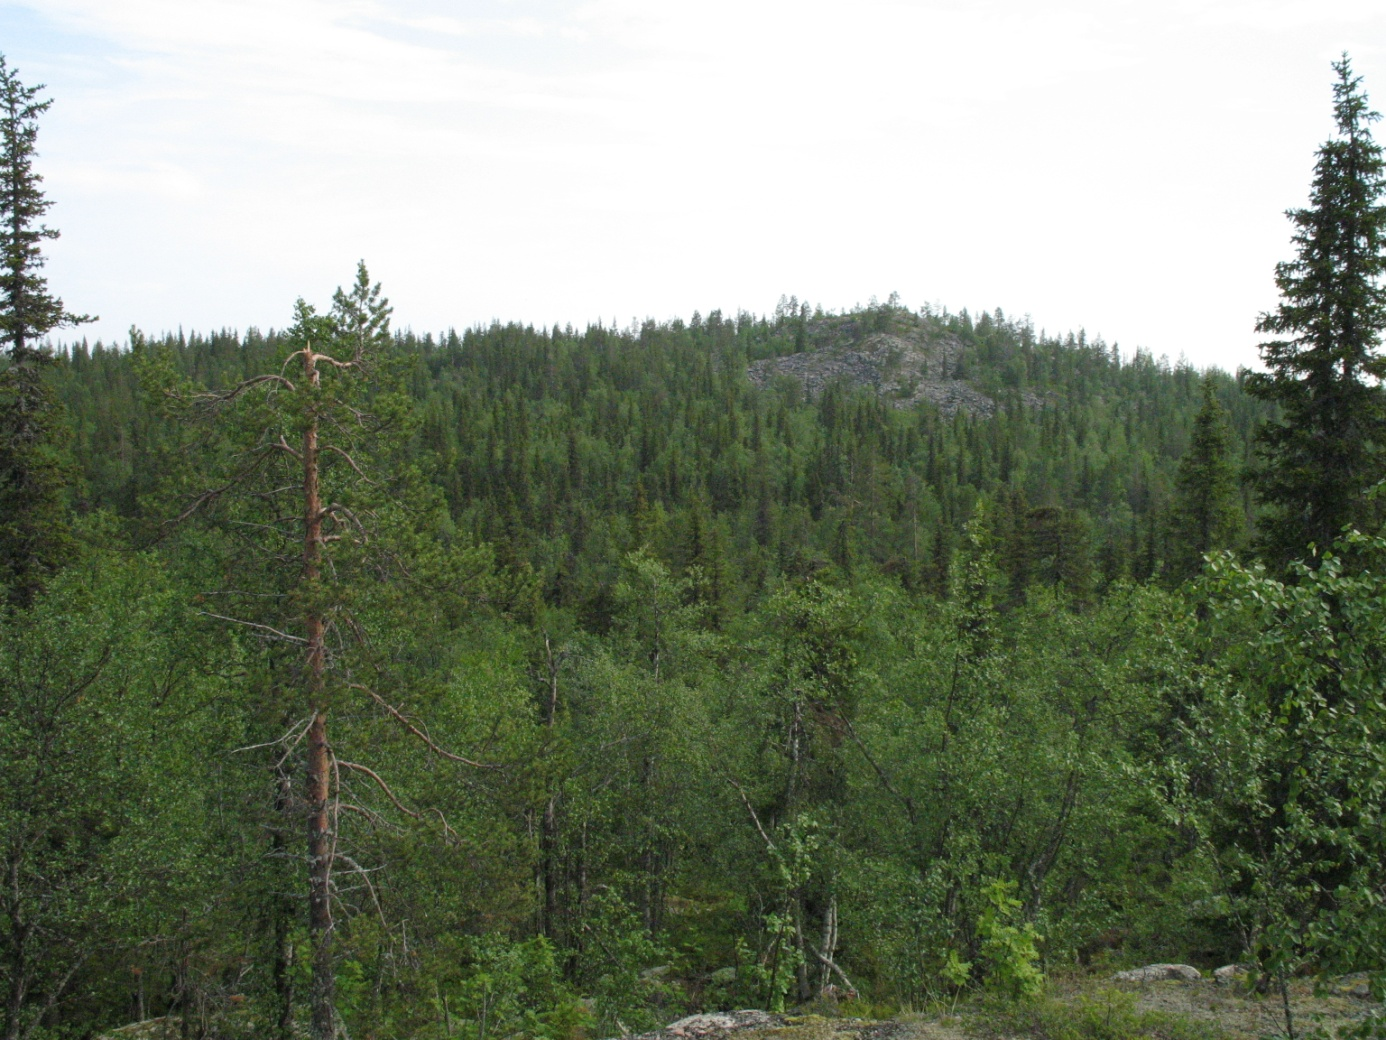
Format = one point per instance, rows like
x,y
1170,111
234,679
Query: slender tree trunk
x,y
801,971
548,865
548,827
17,954
317,796
14,999
283,913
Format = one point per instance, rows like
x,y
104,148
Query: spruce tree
x,y
1318,460
34,535
1206,515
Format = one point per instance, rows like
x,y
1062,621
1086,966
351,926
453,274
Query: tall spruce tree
x,y
34,535
1206,515
1318,460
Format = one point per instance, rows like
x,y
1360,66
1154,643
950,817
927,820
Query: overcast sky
x,y
1118,166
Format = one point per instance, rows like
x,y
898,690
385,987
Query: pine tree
x,y
1326,450
309,459
1206,514
34,535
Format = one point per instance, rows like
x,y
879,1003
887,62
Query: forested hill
x,y
749,447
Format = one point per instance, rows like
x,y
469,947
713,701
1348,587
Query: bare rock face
x,y
1159,973
909,363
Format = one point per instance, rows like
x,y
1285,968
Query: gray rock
x,y
1230,973
911,363
1160,972
718,1022
1358,985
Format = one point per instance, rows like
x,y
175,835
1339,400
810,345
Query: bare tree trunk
x,y
829,947
319,780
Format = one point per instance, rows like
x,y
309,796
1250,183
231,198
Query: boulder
x,y
1229,974
1358,984
1160,973
718,1022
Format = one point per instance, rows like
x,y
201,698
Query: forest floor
x,y
1073,1008
1086,1008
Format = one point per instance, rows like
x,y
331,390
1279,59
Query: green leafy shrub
x,y
1009,949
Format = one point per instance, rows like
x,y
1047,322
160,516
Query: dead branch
x,y
336,507
448,832
831,965
215,493
255,624
289,748
750,809
365,876
350,461
277,740
267,495
398,717
881,774
222,396
373,817
357,768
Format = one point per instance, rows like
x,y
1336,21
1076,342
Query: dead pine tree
x,y
305,502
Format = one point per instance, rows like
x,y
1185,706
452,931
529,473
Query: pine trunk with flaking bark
x,y
317,793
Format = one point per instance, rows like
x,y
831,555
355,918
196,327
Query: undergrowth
x,y
1108,1014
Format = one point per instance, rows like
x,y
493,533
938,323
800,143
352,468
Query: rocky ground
x,y
1236,1012
1077,1007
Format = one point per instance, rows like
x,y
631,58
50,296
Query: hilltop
x,y
912,361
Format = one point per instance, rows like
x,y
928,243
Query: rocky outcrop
x,y
909,364
714,1024
719,1024
1160,973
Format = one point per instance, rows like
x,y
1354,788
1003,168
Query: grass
x,y
1105,1014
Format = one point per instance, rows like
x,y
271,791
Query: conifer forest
x,y
555,682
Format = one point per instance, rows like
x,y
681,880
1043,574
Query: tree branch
x,y
254,624
754,818
398,717
357,768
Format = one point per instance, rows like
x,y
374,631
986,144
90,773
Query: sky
x,y
1120,167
